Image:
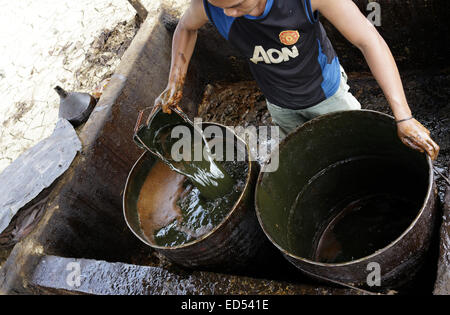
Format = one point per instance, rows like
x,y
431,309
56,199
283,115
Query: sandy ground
x,y
74,44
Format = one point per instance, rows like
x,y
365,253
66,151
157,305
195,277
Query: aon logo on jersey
x,y
273,55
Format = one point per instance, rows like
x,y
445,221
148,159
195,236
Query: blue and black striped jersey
x,y
289,53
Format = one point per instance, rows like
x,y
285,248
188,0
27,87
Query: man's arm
x,y
183,44
354,26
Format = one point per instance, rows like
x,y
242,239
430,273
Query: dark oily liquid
x,y
206,174
200,215
363,227
157,202
172,211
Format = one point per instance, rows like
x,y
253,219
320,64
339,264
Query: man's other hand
x,y
416,136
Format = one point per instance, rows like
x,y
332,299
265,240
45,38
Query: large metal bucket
x,y
333,160
227,247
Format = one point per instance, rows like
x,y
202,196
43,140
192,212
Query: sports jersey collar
x,y
269,4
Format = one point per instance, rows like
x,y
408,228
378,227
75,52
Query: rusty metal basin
x,y
342,181
231,245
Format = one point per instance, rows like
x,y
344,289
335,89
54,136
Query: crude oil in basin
x,y
167,212
348,193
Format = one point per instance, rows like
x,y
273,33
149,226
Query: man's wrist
x,y
404,119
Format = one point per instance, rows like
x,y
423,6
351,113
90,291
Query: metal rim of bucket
x,y
285,252
218,226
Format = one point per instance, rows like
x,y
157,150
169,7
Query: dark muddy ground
x,y
233,104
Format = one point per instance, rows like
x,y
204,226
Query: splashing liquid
x,y
207,193
206,174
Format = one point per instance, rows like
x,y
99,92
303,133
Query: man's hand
x,y
183,43
416,136
169,98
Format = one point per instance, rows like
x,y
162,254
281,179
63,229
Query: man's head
x,y
237,8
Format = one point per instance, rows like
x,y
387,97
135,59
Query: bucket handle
x,y
153,109
138,126
138,121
